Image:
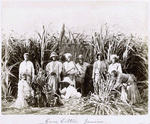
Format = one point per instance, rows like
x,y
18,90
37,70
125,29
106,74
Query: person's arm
x,y
119,81
63,68
60,68
93,74
32,69
75,69
119,68
67,95
47,69
20,71
62,91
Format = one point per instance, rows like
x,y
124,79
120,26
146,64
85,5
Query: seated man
x,y
69,91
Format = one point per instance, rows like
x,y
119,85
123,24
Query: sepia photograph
x,y
74,58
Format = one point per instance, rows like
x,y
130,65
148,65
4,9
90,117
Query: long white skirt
x,y
23,93
20,103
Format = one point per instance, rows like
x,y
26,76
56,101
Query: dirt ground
x,y
71,107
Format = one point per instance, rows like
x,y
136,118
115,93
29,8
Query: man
x,y
81,70
27,67
69,68
69,91
53,69
99,71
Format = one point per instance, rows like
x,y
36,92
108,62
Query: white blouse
x,y
116,66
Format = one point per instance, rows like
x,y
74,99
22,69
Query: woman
x,y
23,93
127,82
53,70
99,71
114,64
69,68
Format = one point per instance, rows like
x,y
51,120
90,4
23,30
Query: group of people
x,y
73,77
125,82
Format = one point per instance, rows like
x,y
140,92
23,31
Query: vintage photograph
x,y
74,58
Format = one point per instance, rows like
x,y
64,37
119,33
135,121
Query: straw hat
x,y
68,55
67,80
114,56
80,56
53,54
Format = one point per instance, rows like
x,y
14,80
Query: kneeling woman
x,y
23,93
69,91
128,81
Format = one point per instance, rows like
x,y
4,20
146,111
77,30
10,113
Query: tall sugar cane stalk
x,y
42,47
62,33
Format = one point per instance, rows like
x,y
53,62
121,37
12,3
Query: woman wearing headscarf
x,y
114,64
53,70
99,71
69,68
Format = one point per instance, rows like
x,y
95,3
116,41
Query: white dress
x,y
54,66
23,93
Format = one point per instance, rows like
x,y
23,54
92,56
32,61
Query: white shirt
x,y
27,67
116,67
54,66
70,92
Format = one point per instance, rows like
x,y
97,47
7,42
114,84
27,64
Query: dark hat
x,y
26,54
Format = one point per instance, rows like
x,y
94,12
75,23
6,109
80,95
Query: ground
x,y
72,107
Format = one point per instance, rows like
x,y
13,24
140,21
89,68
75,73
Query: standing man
x,y
81,70
99,71
27,67
53,69
69,68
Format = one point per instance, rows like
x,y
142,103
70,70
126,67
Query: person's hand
x,y
124,84
59,90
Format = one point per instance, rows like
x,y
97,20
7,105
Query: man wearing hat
x,y
99,70
27,67
69,68
53,70
81,70
69,91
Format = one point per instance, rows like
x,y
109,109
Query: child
x,y
23,93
